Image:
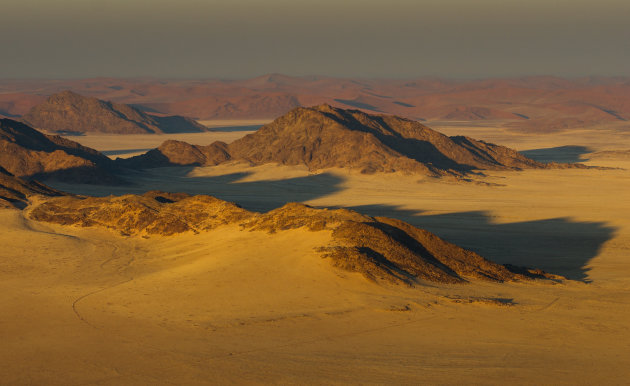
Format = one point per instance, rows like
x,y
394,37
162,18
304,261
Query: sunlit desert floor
x,y
88,306
116,146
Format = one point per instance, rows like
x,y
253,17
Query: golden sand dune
x,y
382,249
87,305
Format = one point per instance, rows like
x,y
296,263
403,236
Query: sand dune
x,y
89,306
233,306
380,248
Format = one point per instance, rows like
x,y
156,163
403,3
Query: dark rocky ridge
x,y
28,153
71,112
382,249
14,191
324,137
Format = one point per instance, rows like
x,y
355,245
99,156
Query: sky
x,y
344,38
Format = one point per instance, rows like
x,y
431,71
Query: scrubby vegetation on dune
x,y
382,249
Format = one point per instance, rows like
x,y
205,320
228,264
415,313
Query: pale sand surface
x,y
90,307
598,139
130,145
245,307
218,123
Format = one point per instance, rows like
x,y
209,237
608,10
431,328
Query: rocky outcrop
x,y
325,137
28,153
14,192
178,153
68,112
382,249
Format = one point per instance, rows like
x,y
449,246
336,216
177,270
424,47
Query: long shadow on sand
x,y
124,151
569,153
259,195
557,245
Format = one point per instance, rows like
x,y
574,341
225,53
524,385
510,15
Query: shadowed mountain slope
x,y
325,137
14,191
28,153
71,112
381,249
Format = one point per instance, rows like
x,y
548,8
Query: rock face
x,y
14,191
154,213
382,249
324,137
70,112
178,153
27,153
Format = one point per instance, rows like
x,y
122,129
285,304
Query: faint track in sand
x,y
548,305
115,256
82,297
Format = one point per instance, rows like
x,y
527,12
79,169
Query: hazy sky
x,y
368,38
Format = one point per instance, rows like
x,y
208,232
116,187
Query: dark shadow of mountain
x,y
8,114
403,104
125,151
236,128
557,245
260,196
567,154
144,109
178,124
90,175
358,105
67,133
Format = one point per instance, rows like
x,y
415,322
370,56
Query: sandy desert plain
x,y
90,306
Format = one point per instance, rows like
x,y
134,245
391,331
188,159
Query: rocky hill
x,y
178,153
14,191
532,104
382,249
250,105
68,112
325,137
28,153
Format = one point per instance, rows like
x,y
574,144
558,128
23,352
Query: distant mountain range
x,y
318,137
325,137
539,104
68,112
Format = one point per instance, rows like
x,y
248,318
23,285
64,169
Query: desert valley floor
x,y
89,306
